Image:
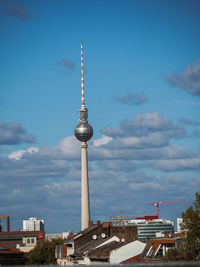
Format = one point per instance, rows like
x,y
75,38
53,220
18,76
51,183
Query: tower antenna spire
x,y
82,80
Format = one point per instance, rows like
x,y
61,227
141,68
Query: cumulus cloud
x,y
13,134
132,99
119,165
178,164
149,121
60,196
187,121
183,102
188,80
143,124
67,64
18,12
195,133
153,140
140,154
67,149
145,137
113,132
125,167
146,186
102,141
18,154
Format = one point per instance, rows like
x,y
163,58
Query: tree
x,y
175,254
44,253
191,224
190,249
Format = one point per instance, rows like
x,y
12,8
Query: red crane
x,y
163,202
121,217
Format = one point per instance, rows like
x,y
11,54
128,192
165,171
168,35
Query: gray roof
x,y
89,246
104,251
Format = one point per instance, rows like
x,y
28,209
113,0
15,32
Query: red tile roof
x,y
132,259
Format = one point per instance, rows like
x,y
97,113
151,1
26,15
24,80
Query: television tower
x,y
83,133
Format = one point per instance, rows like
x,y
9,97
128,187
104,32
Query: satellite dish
x,y
94,237
103,235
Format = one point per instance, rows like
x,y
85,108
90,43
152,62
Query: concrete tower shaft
x,y
85,196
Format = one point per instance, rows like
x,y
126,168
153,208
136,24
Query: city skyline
x,y
142,88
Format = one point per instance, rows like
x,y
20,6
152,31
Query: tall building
x,y
83,133
33,224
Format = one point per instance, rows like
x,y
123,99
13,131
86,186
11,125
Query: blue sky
x,y
142,88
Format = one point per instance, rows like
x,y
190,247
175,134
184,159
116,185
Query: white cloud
x,y
144,125
153,140
146,186
178,164
183,102
18,154
132,99
102,141
152,121
122,169
188,80
13,134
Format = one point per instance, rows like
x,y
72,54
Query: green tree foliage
x,y
175,254
191,224
190,249
44,253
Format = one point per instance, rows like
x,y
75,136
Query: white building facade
x,y
179,222
33,224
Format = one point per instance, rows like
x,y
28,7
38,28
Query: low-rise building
x,y
23,240
64,235
10,256
94,243
155,250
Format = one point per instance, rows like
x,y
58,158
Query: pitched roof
x,y
4,249
84,232
88,246
132,259
104,251
151,248
93,244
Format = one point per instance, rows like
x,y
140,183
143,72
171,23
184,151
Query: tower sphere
x,y
83,132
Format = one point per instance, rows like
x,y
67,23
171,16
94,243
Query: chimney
x,y
98,223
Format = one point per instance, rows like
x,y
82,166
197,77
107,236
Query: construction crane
x,y
163,202
121,217
8,221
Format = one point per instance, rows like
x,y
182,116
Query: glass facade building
x,y
148,229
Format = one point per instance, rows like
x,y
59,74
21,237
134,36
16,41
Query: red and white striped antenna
x,y
82,80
